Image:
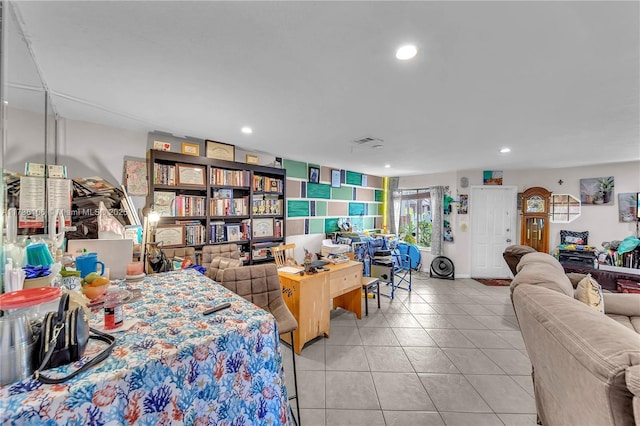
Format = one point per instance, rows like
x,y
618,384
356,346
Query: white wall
x,y
601,221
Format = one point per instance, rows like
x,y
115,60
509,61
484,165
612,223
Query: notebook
x,y
115,254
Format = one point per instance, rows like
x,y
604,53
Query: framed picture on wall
x,y
335,178
221,151
170,235
314,174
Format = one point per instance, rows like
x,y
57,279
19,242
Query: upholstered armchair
x,y
219,264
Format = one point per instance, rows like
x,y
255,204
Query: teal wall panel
x,y
316,226
342,193
379,195
353,178
296,169
318,190
297,208
368,223
356,209
331,225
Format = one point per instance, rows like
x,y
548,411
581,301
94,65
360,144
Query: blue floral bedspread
x,y
175,366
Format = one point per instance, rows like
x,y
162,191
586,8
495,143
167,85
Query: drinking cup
x,y
88,263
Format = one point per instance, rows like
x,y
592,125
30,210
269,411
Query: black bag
x,y
63,339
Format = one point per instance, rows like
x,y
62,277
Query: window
x,y
415,216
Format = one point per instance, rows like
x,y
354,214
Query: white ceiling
x,y
558,82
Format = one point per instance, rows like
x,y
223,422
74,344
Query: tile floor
x,y
446,353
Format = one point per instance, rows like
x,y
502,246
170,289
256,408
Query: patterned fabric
x,y
573,237
175,366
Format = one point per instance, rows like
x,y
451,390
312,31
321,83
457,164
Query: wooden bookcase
x,y
218,202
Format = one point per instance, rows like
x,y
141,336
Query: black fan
x,y
442,267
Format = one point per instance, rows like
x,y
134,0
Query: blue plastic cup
x,y
38,255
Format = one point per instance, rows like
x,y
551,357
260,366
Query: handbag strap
x,y
98,335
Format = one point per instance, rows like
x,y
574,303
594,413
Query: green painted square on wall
x,y
318,190
331,225
379,195
342,193
316,226
353,178
321,208
357,222
296,169
356,209
369,223
380,209
297,208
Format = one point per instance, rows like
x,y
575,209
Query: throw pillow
x,y
590,292
573,237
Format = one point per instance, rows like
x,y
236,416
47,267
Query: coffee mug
x,y
88,263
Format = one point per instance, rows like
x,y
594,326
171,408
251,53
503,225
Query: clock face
x,y
535,204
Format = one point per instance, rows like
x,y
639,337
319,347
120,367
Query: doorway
x,y
493,224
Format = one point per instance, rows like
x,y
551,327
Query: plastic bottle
x,y
113,312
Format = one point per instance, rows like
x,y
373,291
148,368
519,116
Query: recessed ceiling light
x,y
246,130
406,52
386,166
505,150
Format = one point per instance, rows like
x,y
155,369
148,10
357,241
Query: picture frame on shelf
x,y
190,148
251,159
220,150
161,146
314,174
335,178
190,175
233,233
262,227
170,235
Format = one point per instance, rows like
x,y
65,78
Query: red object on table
x,y
628,286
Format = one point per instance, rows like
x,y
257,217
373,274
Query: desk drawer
x,y
345,280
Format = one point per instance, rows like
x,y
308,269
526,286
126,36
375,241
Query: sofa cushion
x,y
632,323
543,270
590,293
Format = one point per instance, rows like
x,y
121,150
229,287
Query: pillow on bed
x,y
573,237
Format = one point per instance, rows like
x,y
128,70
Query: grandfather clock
x,y
535,219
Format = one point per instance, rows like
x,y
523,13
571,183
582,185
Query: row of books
x,y
230,177
229,206
220,231
194,232
189,205
267,206
164,174
267,184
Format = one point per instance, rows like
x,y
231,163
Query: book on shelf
x,y
190,205
194,232
230,177
245,228
229,206
217,232
164,174
277,228
164,203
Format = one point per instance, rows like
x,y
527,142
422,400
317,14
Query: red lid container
x,y
28,297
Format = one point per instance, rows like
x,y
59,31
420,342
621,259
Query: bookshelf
x,y
219,202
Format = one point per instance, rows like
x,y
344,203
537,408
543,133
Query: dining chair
x,y
283,255
260,285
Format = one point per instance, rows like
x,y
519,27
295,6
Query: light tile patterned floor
x,y
447,353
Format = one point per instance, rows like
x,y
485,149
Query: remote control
x,y
217,308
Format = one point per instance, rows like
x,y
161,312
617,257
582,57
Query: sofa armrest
x,y
627,304
633,383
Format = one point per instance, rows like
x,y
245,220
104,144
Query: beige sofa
x,y
586,364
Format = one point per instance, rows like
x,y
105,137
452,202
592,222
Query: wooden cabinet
x,y
216,202
535,219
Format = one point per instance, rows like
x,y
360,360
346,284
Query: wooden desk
x,y
307,297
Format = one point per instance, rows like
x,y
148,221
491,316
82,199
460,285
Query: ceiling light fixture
x,y
406,52
386,166
246,130
505,150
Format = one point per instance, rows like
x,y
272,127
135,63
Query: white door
x,y
493,224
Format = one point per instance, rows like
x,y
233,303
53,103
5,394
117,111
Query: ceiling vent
x,y
369,142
